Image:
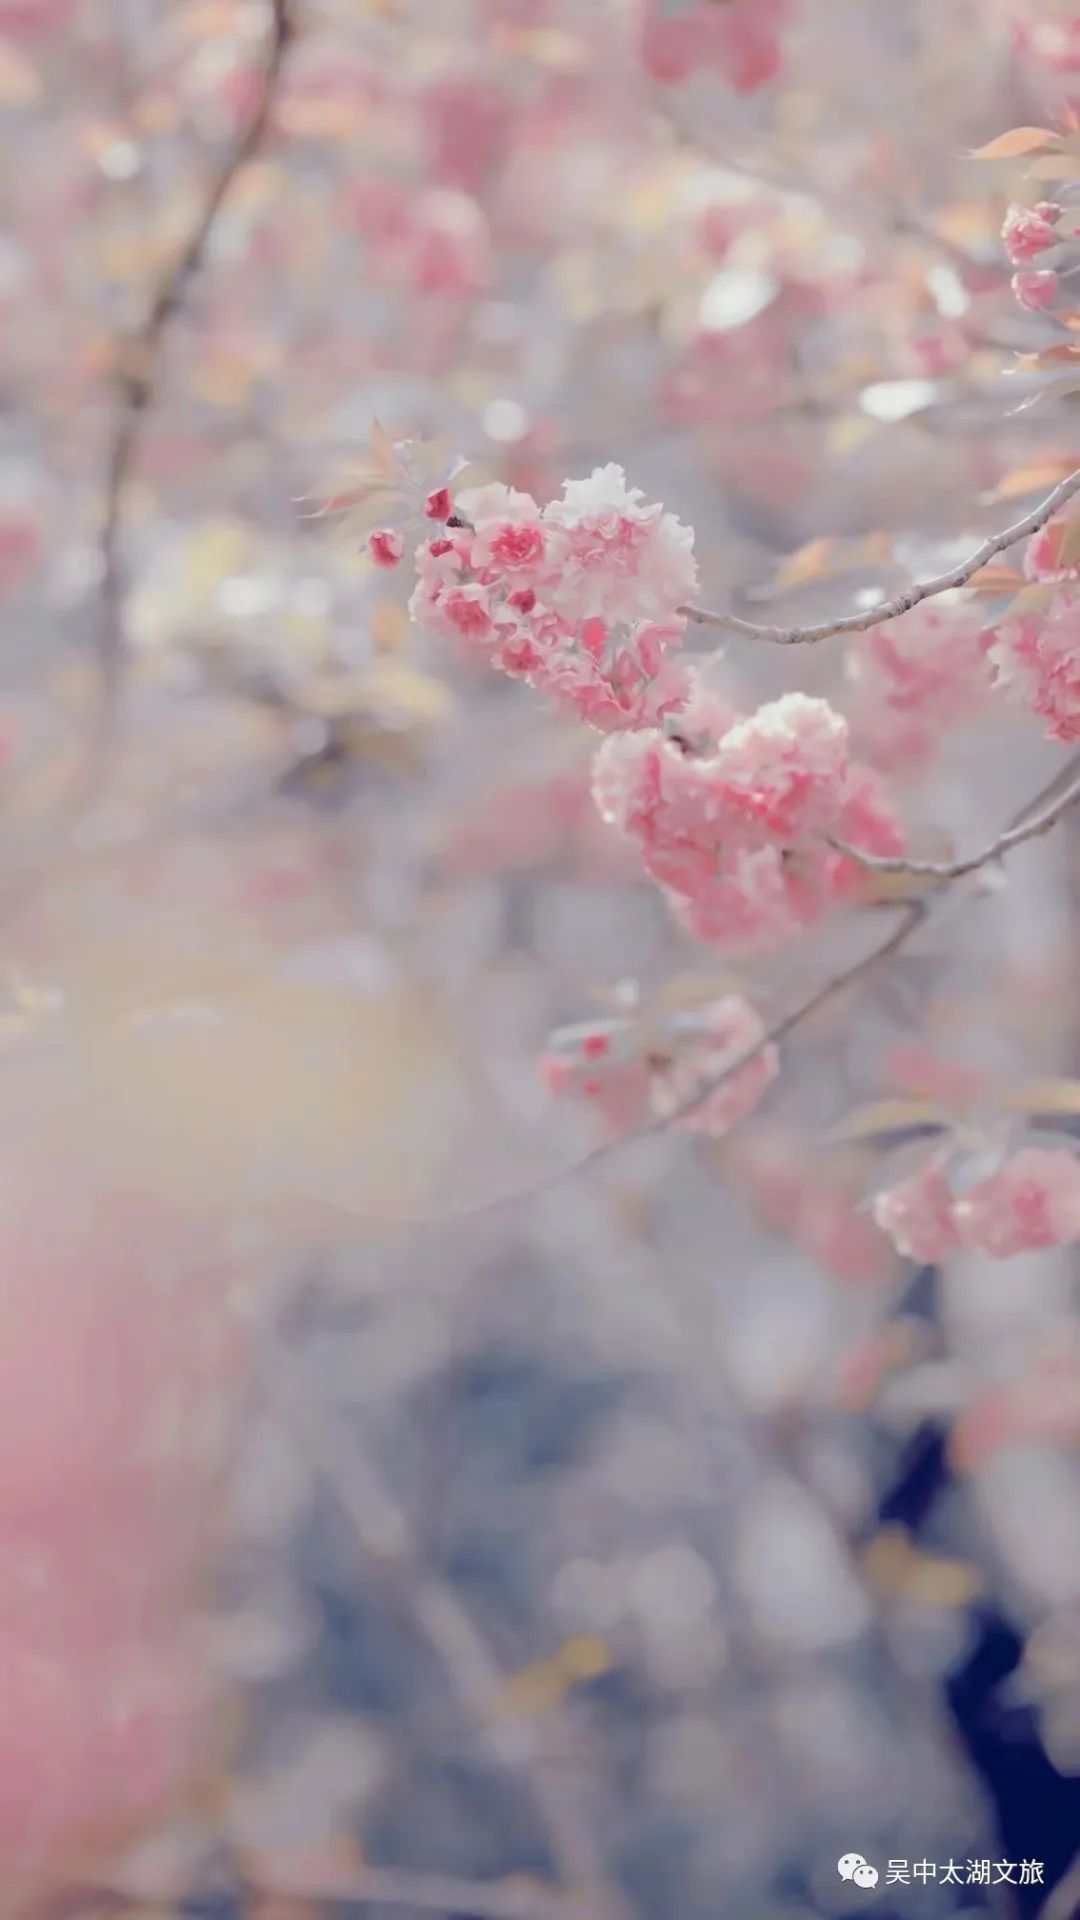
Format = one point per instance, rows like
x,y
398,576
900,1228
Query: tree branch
x,y
1036,816
139,364
1014,836
136,379
1031,816
911,919
911,596
836,984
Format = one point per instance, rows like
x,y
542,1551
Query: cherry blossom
x,y
724,1032
918,1214
1036,661
740,40
1048,36
633,1071
1042,555
1029,231
737,828
914,681
1032,1202
615,1081
433,243
580,598
1035,290
386,547
614,557
713,240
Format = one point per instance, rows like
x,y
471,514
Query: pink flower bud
x,y
1029,231
386,547
438,505
1035,290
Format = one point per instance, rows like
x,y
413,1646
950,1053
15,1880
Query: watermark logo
x,y
852,1866
974,1873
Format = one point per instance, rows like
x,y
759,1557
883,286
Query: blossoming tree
x,y
542,551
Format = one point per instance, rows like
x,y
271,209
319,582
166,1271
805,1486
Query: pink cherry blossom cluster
x,y
1029,1203
632,1071
1042,556
734,817
1036,660
1028,233
1034,657
914,680
740,40
1036,289
434,242
579,598
1047,36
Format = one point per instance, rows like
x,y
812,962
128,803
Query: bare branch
x,y
139,368
911,596
1015,836
835,985
1038,815
136,381
1051,798
838,983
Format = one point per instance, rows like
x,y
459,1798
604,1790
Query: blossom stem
x,y
1037,815
1015,836
911,596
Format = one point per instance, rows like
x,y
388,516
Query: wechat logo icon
x,y
852,1866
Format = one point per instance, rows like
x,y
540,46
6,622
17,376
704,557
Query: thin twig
x,y
911,596
1031,818
836,984
136,382
139,364
916,912
955,869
